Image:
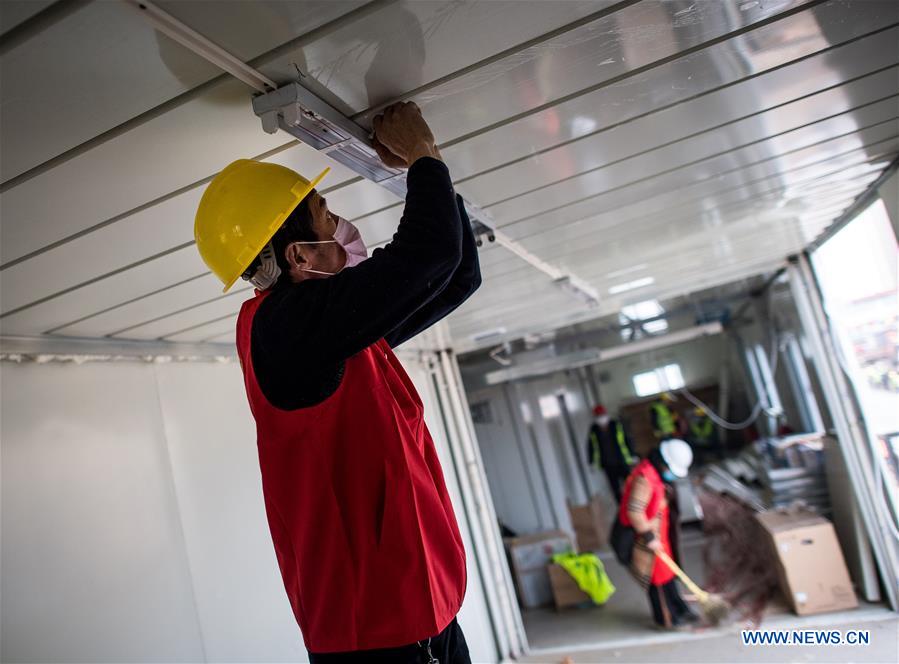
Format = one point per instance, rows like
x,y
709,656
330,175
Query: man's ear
x,y
294,255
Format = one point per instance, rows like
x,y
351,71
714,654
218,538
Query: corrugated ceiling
x,y
670,146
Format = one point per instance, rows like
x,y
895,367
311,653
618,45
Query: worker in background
x,y
363,528
703,436
609,449
666,423
645,507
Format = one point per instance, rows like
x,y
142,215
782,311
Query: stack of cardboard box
x,y
530,557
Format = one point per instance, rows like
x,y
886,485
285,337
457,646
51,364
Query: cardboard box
x,y
529,557
812,572
565,590
590,527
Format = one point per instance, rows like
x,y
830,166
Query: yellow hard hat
x,y
241,210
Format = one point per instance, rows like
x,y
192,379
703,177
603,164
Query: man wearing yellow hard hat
x,y
364,531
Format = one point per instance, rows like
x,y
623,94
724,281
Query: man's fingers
x,y
387,156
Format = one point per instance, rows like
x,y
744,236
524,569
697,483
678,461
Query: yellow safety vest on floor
x,y
588,572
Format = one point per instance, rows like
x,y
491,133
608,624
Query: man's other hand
x,y
402,136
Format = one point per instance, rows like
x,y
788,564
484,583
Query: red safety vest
x,y
363,528
661,573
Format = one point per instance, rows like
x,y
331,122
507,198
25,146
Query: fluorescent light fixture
x,y
631,285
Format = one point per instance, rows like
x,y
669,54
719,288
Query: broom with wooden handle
x,y
714,607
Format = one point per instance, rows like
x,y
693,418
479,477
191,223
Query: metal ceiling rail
x,y
313,121
868,196
84,347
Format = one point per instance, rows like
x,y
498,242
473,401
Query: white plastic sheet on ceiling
x,y
668,145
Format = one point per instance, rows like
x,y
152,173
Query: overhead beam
x,y
590,356
106,348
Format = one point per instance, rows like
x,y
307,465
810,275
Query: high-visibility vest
x,y
622,446
588,572
702,428
664,419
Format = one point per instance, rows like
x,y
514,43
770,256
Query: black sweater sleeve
x,y
464,282
302,333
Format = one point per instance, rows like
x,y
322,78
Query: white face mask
x,y
603,420
348,237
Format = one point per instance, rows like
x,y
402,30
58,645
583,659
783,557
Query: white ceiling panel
x,y
177,298
772,195
690,143
407,45
249,28
105,65
152,230
15,12
712,197
622,42
99,295
214,332
704,187
675,169
149,162
171,322
655,141
686,108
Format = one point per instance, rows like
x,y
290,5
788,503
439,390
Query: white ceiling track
x,y
316,123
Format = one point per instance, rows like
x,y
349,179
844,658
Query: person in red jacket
x,y
644,506
365,535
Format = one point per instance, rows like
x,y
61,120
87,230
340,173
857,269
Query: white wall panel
x,y
244,612
94,567
133,522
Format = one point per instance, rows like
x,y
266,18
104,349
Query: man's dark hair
x,y
296,228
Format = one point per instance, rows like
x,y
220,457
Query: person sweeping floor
x,y
644,508
363,528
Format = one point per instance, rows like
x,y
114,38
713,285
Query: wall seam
x,y
180,521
